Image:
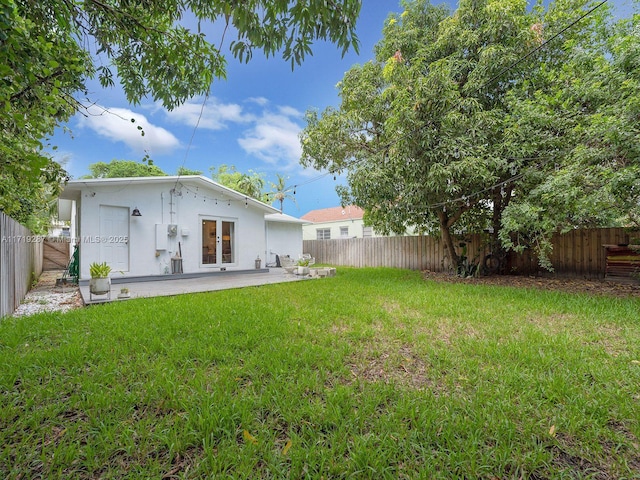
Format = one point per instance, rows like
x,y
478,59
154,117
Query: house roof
x,y
334,214
282,218
73,188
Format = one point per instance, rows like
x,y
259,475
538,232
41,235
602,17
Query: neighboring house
x,y
140,225
335,222
58,229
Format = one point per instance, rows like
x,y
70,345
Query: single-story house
x,y
335,222
141,226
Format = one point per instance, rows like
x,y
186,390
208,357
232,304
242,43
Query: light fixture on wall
x,y
136,213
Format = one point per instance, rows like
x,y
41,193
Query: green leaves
x,y
582,121
39,72
292,27
124,168
251,183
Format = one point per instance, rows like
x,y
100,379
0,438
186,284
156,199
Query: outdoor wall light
x,y
136,213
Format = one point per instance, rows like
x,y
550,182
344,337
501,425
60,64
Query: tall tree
x,y
39,67
419,130
580,114
250,183
280,192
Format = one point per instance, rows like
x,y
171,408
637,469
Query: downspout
x,y
161,207
171,206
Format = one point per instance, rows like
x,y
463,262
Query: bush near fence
x,y
20,263
578,253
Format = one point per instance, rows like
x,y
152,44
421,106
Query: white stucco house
x,y
140,225
338,222
335,222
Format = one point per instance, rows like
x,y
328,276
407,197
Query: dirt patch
x,y
567,456
569,285
390,362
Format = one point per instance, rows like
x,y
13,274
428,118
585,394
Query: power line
x,y
204,102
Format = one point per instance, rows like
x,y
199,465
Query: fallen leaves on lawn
x,y
249,438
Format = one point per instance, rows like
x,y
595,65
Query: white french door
x,y
218,242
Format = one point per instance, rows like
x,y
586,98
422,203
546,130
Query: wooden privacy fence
x,y
20,260
579,253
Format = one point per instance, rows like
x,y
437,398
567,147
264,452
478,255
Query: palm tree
x,y
280,192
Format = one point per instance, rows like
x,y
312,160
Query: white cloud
x,y
290,111
258,101
213,116
274,138
116,125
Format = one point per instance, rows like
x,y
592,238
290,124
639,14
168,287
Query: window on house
x,y
344,232
367,232
323,234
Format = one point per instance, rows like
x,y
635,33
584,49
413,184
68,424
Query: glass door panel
x,y
209,242
227,242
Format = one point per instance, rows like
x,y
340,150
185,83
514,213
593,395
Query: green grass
x,y
373,374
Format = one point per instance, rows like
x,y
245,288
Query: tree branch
x,y
40,81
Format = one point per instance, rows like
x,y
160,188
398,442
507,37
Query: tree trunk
x,y
448,239
500,201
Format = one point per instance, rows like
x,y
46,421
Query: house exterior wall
x,y
158,206
356,228
283,239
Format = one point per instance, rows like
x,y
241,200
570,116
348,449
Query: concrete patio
x,y
165,285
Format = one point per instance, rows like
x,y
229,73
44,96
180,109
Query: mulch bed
x,y
571,285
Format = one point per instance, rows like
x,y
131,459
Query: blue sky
x,y
251,120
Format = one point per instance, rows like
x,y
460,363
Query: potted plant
x,y
100,282
303,266
124,293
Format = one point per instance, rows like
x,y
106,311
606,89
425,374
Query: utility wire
x,y
204,102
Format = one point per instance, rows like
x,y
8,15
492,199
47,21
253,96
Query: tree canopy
x,y
250,183
154,54
280,191
39,68
465,118
123,168
579,117
49,50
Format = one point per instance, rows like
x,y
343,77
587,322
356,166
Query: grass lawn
x,y
376,373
